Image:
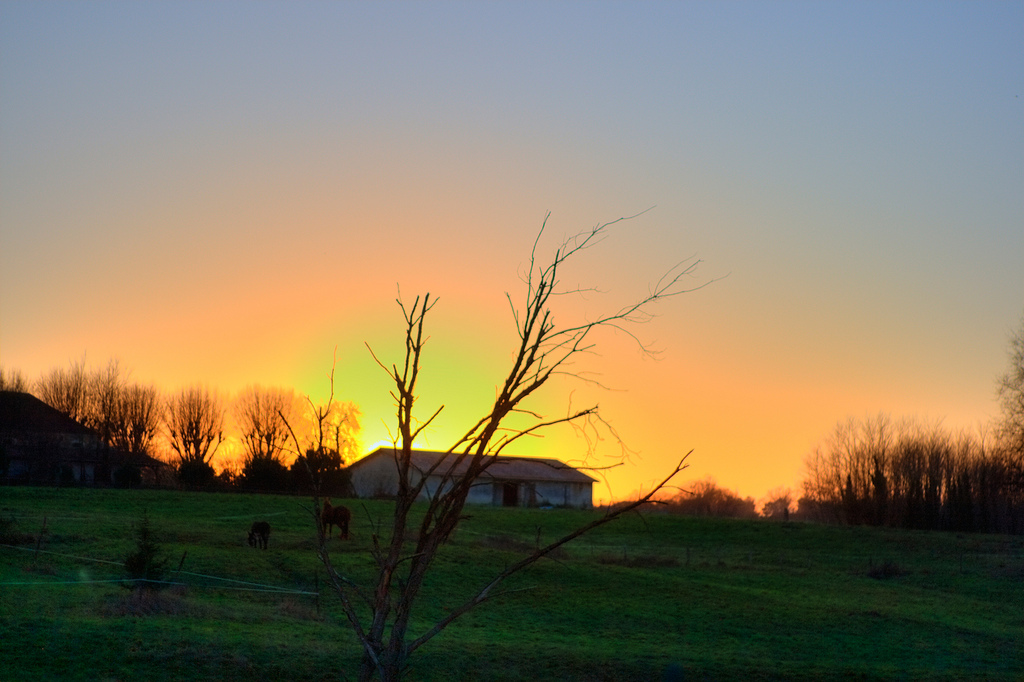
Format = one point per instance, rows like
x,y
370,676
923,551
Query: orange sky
x,y
227,202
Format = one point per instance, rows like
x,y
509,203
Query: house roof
x,y
26,413
504,468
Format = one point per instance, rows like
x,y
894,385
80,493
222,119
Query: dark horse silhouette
x,y
337,516
259,533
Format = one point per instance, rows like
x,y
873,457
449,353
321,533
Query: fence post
x,y
316,590
182,562
39,541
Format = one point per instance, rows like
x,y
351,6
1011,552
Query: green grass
x,y
711,598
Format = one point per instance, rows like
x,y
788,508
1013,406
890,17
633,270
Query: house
x,y
39,444
508,481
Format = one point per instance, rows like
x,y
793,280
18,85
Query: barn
x,y
509,481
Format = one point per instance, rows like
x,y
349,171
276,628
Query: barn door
x,y
510,495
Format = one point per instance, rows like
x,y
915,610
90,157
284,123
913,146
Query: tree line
x,y
288,444
874,471
883,472
904,473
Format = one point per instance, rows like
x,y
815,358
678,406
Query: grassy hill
x,y
646,598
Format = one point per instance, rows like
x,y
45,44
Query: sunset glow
x,y
235,194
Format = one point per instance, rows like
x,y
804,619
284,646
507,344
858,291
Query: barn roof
x,y
504,468
26,413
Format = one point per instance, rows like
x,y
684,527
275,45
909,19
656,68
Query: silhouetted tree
x,y
405,551
104,392
261,414
321,473
126,415
13,380
332,441
145,564
1011,397
265,474
66,390
920,477
137,420
879,493
778,504
195,427
706,498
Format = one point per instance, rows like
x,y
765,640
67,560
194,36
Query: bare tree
x,y
127,416
138,418
331,441
66,390
912,474
13,380
405,551
261,414
706,498
1011,396
333,427
104,393
778,504
195,426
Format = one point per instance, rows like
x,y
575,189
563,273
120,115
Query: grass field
x,y
646,598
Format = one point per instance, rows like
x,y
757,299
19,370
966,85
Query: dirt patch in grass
x,y
40,569
9,534
637,561
887,570
143,602
509,543
293,609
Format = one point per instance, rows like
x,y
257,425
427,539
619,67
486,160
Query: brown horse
x,y
337,516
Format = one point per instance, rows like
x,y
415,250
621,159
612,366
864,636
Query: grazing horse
x,y
337,516
259,533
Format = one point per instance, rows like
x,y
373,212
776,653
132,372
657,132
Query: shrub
x,y
706,498
264,474
145,565
195,475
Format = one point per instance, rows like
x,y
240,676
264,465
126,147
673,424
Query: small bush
x,y
145,566
195,475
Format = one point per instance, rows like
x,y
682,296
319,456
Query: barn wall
x,y
377,477
559,494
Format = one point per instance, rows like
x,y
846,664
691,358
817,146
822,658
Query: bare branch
x,y
543,349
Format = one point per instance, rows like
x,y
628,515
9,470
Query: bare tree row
x,y
187,427
901,473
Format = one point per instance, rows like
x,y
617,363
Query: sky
x,y
236,193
